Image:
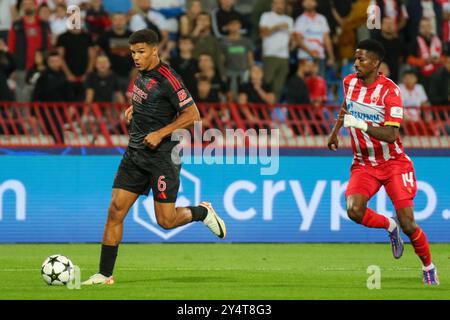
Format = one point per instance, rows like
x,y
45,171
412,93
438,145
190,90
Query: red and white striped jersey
x,y
379,104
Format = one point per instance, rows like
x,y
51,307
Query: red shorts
x,y
397,176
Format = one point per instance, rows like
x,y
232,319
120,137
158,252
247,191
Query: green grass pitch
x,y
228,271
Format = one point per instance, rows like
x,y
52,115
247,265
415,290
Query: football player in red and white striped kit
x,y
373,111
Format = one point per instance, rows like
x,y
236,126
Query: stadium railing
x,y
103,124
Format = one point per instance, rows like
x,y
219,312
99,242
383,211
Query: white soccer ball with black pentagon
x,y
57,270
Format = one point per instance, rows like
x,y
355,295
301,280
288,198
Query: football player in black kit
x,y
161,104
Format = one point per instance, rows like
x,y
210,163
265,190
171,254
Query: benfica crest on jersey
x,y
182,95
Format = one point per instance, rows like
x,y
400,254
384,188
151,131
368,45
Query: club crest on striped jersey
x,y
374,99
182,95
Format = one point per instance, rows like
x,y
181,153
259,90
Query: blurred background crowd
x,y
258,51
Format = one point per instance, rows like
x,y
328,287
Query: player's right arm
x,y
333,141
129,114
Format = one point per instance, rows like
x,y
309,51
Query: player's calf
x,y
407,224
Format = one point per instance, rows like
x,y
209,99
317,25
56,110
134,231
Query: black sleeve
x,y
90,42
38,91
90,81
244,88
115,83
178,95
61,41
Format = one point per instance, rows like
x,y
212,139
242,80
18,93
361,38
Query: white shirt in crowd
x,y
277,43
412,100
138,22
160,4
58,25
313,28
5,14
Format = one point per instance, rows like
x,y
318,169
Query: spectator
x,y
204,92
97,19
327,8
440,84
446,23
52,86
38,68
27,36
351,25
425,53
297,91
237,54
8,14
256,91
221,16
419,9
208,70
312,35
275,30
7,67
102,85
187,20
393,45
394,9
114,43
153,20
414,99
58,21
413,95
171,10
205,42
78,52
185,64
44,13
316,85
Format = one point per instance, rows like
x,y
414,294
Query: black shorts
x,y
142,170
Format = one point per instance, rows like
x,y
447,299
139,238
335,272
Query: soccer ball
x,y
57,270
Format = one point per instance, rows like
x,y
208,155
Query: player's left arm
x,y
185,120
389,131
181,100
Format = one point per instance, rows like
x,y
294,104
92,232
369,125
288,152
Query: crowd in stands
x,y
255,51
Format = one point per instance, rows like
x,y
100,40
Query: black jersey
x,y
158,95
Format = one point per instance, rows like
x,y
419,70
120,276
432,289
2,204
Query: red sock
x,y
420,243
372,219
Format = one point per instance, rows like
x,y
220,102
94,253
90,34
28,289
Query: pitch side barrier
x,y
103,125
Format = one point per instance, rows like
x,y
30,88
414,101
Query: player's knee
x,y
166,223
116,212
356,212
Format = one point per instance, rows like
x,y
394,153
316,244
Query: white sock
x,y
429,267
392,224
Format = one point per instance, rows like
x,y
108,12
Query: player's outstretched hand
x,y
152,140
129,114
333,142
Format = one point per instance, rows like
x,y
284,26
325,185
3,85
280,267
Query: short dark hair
x,y
144,36
409,71
52,53
372,46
